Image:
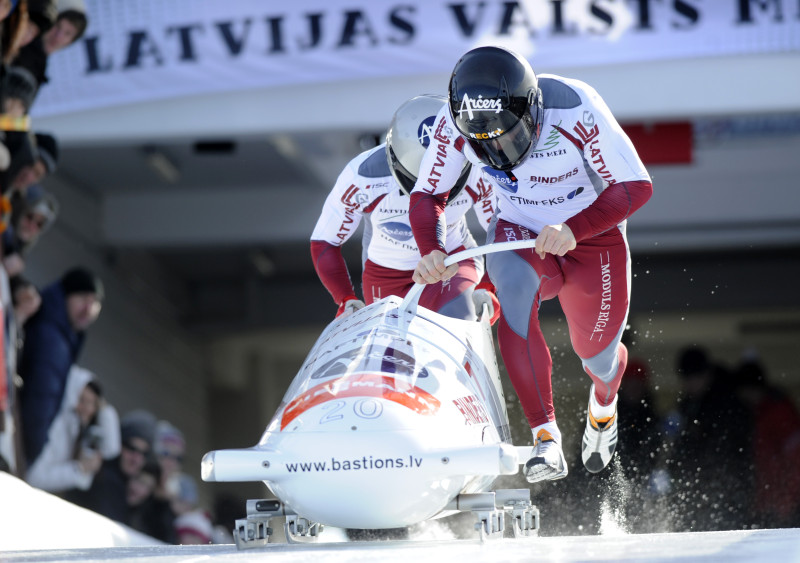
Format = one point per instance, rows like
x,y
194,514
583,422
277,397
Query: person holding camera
x,y
85,432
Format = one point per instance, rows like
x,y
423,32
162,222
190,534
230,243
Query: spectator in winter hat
x,y
44,163
84,295
109,492
194,528
32,215
54,338
18,90
141,425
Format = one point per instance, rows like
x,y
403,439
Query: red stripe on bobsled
x,y
362,385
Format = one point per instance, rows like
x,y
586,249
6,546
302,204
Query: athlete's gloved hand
x,y
481,297
349,306
431,268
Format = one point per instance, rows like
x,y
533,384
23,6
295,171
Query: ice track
x,y
35,526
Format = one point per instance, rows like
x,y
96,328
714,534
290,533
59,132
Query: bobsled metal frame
x,y
491,510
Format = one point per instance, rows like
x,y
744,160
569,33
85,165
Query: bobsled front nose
x,y
207,467
250,464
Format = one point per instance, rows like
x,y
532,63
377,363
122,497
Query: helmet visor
x,y
509,149
403,177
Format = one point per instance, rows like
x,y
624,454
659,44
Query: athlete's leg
x,y
523,281
379,282
595,301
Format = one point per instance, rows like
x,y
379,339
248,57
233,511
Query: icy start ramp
x,y
33,519
722,547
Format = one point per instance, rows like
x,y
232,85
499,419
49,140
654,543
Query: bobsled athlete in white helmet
x,y
376,185
566,175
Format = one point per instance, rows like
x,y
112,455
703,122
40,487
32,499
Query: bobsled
x,y
396,416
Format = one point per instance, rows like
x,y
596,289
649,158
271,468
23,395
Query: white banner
x,y
143,50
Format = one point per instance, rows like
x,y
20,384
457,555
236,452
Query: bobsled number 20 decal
x,y
363,385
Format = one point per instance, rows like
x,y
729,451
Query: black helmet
x,y
410,133
496,104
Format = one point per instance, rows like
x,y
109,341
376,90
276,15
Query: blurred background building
x,y
200,139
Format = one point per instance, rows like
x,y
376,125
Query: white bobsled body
x,y
392,415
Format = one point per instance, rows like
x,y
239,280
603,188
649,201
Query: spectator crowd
x,y
57,429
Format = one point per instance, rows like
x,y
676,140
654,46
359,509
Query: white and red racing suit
x,y
584,172
366,187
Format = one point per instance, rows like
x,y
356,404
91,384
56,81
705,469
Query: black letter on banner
x,y
467,27
601,14
508,15
744,10
234,44
558,20
687,10
349,32
93,58
400,23
277,35
185,34
136,49
315,31
644,14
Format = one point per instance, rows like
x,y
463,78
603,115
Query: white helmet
x,y
408,137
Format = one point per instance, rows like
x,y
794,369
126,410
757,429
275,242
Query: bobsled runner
x,y
396,416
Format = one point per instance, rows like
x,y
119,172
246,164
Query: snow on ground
x,y
33,519
38,527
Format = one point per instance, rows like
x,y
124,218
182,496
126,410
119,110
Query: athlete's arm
x,y
615,204
440,168
332,271
340,216
610,153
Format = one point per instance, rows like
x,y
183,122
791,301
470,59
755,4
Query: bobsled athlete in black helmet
x,y
565,174
376,185
499,113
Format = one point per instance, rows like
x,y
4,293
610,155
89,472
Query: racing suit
x,y
583,172
366,187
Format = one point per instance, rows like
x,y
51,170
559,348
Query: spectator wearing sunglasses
x,y
108,494
32,215
33,158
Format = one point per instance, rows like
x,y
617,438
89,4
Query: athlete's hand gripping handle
x,y
412,297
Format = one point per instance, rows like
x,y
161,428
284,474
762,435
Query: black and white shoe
x,y
547,461
600,436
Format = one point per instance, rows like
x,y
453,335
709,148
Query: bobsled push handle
x,y
412,297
